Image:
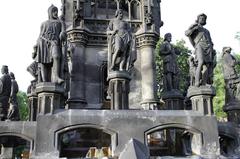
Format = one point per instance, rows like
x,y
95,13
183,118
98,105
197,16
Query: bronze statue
x,y
201,40
231,78
13,112
119,43
170,68
5,91
49,49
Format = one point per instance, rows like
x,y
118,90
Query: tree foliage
x,y
218,83
22,103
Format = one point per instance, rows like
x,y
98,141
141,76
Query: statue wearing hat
x,y
49,50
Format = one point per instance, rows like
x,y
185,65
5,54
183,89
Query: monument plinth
x,y
49,97
201,98
119,89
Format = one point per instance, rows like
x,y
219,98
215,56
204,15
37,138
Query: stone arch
x,y
194,135
13,134
228,142
59,132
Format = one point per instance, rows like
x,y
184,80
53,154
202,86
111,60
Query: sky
x,y
21,20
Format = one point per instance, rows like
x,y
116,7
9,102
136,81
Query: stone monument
x,y
120,61
83,63
232,86
171,94
202,92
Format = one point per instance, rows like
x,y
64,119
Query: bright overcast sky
x,y
21,20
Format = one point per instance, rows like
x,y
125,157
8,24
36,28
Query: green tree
x,y
22,103
218,83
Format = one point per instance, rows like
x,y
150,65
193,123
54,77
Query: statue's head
x,y
168,37
119,14
202,19
12,75
53,12
4,69
227,50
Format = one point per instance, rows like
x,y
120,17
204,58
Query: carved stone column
x,y
201,98
119,89
76,97
32,105
49,97
146,43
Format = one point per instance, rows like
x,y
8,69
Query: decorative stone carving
x,y
49,54
201,40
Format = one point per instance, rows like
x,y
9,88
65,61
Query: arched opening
x,y
228,144
135,7
86,142
173,141
14,146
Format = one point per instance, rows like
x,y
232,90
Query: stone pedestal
x,y
49,97
201,98
173,100
119,89
32,106
233,111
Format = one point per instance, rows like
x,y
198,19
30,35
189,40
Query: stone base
x,y
49,97
76,104
119,89
174,100
150,104
233,111
201,98
32,106
123,125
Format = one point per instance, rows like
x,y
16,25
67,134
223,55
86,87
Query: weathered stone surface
x,y
135,150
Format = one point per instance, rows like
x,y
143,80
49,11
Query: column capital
x,y
78,36
147,39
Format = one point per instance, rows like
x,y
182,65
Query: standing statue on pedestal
x,y
120,61
5,91
49,49
170,68
231,78
119,43
201,40
13,112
